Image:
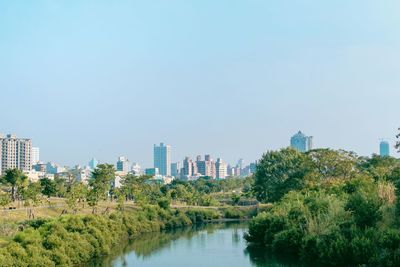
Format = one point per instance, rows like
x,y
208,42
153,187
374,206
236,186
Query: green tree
x,y
328,163
278,172
31,197
76,195
101,180
5,199
49,187
365,208
17,180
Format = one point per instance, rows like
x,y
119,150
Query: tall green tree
x,y
17,180
32,198
76,195
101,180
100,184
328,163
49,187
279,172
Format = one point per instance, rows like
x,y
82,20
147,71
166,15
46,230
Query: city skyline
x,y
176,159
118,78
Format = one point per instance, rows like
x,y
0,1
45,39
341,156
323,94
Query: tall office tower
x,y
16,153
93,163
384,149
123,165
136,169
175,169
162,159
231,171
187,169
221,169
35,155
301,142
240,164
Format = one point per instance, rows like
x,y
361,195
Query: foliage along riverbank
x,y
329,207
75,239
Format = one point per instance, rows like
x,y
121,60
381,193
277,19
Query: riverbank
x,y
74,239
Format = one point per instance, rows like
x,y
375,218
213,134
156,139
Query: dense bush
x,y
74,239
345,213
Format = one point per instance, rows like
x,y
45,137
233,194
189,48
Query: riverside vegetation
x,y
329,207
75,239
91,220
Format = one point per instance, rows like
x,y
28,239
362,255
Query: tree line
x,y
16,188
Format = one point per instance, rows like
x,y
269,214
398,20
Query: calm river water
x,y
217,244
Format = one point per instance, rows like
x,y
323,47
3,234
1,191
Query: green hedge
x,y
75,239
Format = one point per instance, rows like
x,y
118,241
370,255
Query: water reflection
x,y
219,244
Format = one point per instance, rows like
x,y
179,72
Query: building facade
x,y
384,149
16,153
35,155
221,169
175,169
162,159
301,142
136,169
123,165
152,171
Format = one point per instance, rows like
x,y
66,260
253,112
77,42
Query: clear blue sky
x,y
230,78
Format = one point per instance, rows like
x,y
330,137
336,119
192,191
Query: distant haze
x,y
229,78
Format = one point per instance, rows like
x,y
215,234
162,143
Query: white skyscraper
x,y
162,159
221,169
35,155
136,169
16,153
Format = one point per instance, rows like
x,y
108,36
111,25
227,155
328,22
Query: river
x,y
215,244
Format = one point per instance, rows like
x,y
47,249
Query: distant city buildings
x,y
221,169
136,169
152,171
35,155
162,159
175,169
384,149
301,142
16,153
84,175
188,168
93,163
54,168
206,167
123,165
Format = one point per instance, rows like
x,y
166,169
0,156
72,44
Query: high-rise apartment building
x,y
301,142
16,153
206,167
35,155
384,149
175,169
162,159
123,165
189,168
221,169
